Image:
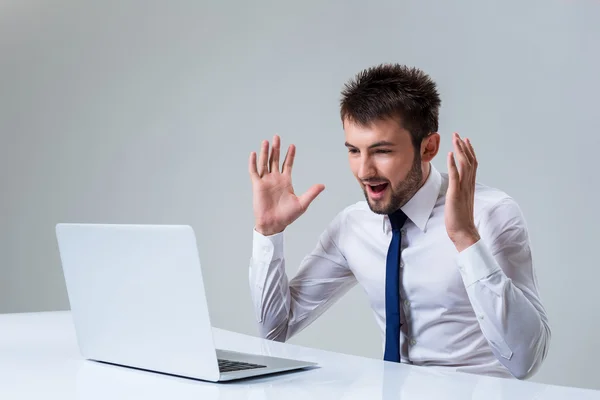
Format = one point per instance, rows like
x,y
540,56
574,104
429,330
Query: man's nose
x,y
366,169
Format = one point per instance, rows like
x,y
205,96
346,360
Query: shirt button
x,y
413,342
401,264
403,231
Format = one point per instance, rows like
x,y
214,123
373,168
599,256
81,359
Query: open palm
x,y
460,196
275,204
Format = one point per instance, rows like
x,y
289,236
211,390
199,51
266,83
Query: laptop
x,y
138,300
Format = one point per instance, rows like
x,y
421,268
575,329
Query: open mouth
x,y
377,191
378,188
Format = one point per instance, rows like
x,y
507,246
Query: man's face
x,y
383,160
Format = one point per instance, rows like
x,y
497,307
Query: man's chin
x,y
379,206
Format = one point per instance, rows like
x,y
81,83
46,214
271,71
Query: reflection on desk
x,y
39,358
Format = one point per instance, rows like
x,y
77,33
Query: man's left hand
x,y
460,197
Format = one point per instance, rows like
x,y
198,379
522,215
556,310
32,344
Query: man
x,y
445,261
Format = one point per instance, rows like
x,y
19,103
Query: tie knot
x,y
397,219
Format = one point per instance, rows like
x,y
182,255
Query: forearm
x,y
518,333
285,308
269,288
510,315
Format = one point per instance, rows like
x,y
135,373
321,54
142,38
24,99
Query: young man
x,y
445,261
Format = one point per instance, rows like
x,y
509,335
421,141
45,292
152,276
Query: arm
x,y
500,280
285,308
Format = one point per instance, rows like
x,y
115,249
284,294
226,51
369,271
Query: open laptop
x,y
138,300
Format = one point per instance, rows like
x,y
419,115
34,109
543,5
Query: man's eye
x,y
353,151
381,151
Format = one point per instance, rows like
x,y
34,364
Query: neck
x,y
426,168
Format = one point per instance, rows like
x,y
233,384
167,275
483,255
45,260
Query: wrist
x,y
465,239
268,230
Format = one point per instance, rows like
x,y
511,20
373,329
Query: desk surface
x,y
39,358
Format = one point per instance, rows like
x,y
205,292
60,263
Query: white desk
x,y
39,358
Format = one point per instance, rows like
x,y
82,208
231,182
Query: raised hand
x,y
275,204
460,197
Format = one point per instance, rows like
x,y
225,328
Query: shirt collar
x,y
418,209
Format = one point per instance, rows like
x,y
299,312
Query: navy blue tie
x,y
392,290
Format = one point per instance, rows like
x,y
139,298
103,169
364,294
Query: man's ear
x,y
430,147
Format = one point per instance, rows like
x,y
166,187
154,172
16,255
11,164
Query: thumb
x,y
453,174
310,195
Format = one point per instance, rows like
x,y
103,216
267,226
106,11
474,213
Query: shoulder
x,y
360,207
493,203
353,215
498,215
494,209
490,201
358,211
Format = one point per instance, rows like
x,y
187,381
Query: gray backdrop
x,y
145,112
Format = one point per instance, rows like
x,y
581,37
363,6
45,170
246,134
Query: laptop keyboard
x,y
229,365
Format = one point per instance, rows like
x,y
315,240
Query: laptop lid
x,y
137,297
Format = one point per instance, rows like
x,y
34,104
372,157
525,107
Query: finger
x,y
467,150
452,171
462,147
461,157
274,164
252,166
262,160
288,162
467,172
474,161
310,195
471,151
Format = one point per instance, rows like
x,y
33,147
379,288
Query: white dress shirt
x,y
476,311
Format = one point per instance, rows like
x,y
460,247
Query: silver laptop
x,y
138,300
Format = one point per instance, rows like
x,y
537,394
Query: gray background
x,y
145,112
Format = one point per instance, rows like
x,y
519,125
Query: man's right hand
x,y
275,204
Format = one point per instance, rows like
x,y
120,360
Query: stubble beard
x,y
400,194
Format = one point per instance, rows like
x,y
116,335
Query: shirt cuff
x,y
476,262
267,248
